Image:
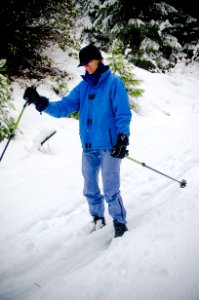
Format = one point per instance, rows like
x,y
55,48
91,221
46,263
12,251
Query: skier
x,y
104,120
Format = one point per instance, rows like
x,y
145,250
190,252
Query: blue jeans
x,y
94,161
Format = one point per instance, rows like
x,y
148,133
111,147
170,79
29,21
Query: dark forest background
x,y
27,27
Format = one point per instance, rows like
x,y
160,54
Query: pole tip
x,y
183,183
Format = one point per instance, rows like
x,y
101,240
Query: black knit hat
x,y
88,53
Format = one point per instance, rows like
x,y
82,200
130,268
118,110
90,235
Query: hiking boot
x,y
120,228
98,222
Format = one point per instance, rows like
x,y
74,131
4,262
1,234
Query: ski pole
x,y
183,183
14,129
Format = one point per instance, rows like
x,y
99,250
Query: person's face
x,y
92,66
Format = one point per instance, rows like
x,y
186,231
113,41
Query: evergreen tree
x,y
158,34
6,121
120,66
26,27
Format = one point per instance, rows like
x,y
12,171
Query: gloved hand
x,y
119,150
31,96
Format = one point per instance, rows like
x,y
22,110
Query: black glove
x,y
31,96
119,150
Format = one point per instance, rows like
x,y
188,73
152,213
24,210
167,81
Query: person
x,y
102,102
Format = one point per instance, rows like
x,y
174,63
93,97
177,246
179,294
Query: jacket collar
x,y
100,74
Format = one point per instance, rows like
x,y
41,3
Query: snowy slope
x,y
45,250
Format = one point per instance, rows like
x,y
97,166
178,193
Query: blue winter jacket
x,y
104,110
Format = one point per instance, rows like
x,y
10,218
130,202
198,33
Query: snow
x,y
45,249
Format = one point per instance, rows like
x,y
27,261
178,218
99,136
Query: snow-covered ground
x,y
46,252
